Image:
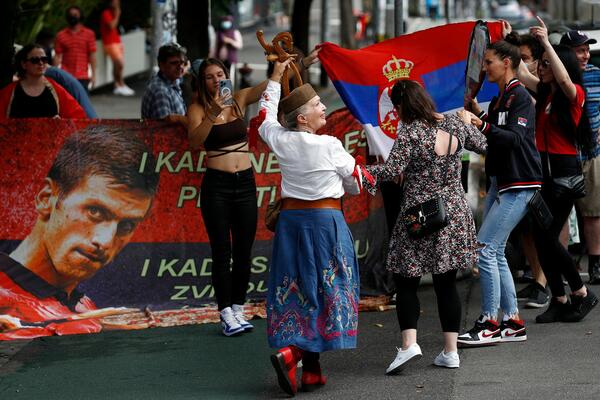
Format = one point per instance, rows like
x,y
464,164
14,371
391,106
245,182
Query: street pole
x,y
398,17
324,34
375,20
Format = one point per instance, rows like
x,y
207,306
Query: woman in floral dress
x,y
419,156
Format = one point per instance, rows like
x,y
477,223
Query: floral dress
x,y
413,155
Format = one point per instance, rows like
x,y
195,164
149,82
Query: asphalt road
x,y
196,362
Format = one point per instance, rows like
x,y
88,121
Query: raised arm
x,y
117,16
527,78
200,121
558,69
396,162
269,102
518,121
474,139
252,95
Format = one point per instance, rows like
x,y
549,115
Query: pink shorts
x,y
115,51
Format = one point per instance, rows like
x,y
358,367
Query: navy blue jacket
x,y
509,127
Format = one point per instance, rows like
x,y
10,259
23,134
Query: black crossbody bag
x,y
540,211
565,187
429,216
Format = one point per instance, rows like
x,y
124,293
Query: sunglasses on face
x,y
38,60
545,63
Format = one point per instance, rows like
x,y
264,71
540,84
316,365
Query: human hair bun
x,y
513,38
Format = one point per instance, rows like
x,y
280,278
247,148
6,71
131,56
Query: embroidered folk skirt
x,y
312,302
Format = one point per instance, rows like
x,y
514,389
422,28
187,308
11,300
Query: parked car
x,y
510,10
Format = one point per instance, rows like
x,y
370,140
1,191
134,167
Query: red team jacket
x,y
42,309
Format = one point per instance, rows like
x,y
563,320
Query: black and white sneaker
x,y
513,330
485,332
539,298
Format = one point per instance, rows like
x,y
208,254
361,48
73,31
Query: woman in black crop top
x,y
228,191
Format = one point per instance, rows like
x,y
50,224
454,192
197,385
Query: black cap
x,y
576,38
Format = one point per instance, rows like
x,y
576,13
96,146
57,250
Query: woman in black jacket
x,y
513,166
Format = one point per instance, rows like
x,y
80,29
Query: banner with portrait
x,y
155,261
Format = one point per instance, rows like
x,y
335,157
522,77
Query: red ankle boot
x,y
312,377
284,362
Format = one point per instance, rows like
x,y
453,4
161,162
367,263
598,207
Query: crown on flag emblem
x,y
397,69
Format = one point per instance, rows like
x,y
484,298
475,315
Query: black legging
x,y
408,307
228,204
554,257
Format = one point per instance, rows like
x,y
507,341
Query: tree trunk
x,y
192,33
8,19
347,25
301,24
192,27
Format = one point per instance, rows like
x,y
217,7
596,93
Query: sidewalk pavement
x,y
196,362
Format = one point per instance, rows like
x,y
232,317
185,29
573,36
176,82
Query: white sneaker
x,y
447,360
238,312
403,357
123,91
229,323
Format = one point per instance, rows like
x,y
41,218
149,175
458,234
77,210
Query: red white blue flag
x,y
435,57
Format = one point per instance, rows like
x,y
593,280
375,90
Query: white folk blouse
x,y
312,166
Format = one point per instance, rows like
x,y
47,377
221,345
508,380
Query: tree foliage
x,y
36,15
48,14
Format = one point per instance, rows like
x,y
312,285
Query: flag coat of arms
x,y
435,57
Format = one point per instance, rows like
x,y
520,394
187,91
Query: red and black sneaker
x,y
485,332
513,330
285,362
312,380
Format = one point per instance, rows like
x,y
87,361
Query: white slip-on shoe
x,y
447,360
413,352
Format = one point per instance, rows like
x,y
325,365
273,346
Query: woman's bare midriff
x,y
232,162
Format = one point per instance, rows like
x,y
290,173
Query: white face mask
x,y
226,25
532,67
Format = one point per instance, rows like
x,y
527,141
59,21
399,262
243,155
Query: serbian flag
x,y
435,57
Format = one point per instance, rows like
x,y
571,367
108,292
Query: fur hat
x,y
297,98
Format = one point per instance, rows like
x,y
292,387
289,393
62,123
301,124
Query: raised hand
x,y
472,105
280,67
506,28
219,104
312,58
540,32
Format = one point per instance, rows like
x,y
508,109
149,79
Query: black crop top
x,y
226,134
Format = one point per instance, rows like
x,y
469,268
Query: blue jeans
x,y
502,213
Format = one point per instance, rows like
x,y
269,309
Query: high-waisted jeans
x,y
228,204
503,213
